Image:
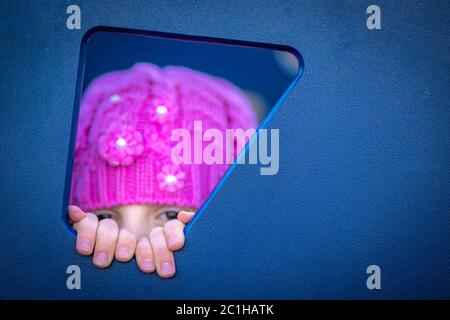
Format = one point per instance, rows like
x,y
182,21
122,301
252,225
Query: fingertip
x,y
175,244
147,265
185,216
173,231
167,270
73,207
144,256
126,246
102,259
75,213
84,246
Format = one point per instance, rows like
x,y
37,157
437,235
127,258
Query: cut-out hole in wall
x,y
156,116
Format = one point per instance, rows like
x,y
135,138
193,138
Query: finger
x,y
126,245
105,244
144,256
173,231
185,216
86,234
164,261
76,214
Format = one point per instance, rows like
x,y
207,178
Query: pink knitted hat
x,y
123,148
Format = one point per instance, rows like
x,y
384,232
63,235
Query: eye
x,y
168,215
105,215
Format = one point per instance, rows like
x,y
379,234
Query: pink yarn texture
x,y
123,147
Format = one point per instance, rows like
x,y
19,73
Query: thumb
x,y
76,214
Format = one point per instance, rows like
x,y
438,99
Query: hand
x,y
105,240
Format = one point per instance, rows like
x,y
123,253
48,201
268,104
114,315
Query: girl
x,y
131,198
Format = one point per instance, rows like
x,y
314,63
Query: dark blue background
x,y
365,144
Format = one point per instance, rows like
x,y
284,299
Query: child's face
x,y
135,230
141,219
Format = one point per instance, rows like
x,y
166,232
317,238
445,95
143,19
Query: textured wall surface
x,y
365,151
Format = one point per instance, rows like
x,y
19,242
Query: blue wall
x,y
365,150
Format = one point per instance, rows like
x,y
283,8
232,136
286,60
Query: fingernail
x,y
101,258
167,268
173,240
148,265
85,245
123,253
